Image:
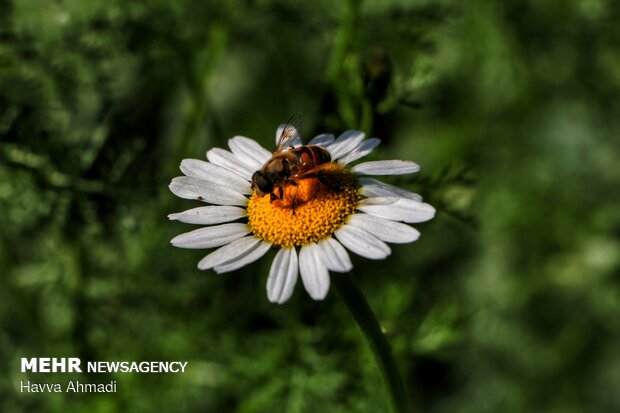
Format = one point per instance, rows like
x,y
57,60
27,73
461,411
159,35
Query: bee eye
x,y
260,181
265,186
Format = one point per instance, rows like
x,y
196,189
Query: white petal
x,y
249,162
188,187
362,242
211,237
231,265
314,275
213,173
228,252
392,167
229,161
241,144
282,276
345,143
323,140
362,150
209,215
295,141
402,209
385,230
379,200
334,256
371,188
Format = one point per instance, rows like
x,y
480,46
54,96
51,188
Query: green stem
x,y
353,296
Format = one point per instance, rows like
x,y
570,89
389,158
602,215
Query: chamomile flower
x,y
311,222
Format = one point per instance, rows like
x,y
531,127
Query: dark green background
x,y
510,300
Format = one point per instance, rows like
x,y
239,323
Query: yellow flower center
x,y
308,212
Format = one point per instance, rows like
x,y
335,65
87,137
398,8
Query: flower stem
x,y
353,296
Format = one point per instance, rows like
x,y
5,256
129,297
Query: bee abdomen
x,y
320,155
309,157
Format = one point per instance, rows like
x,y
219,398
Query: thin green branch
x,y
355,300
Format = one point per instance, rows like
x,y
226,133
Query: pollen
x,y
307,212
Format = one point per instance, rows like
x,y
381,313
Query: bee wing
x,y
288,133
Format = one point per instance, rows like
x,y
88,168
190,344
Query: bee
x,y
289,165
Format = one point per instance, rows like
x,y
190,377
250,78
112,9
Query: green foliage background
x,y
510,300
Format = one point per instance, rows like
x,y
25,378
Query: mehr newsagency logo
x,y
48,365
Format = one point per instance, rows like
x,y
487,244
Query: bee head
x,y
261,184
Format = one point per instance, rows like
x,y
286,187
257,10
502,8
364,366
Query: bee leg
x,y
274,197
296,185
